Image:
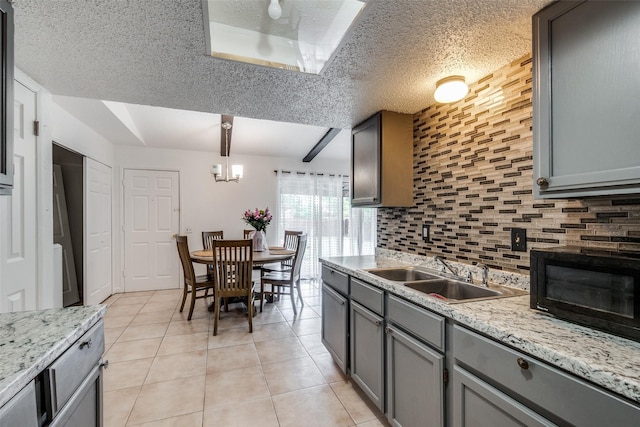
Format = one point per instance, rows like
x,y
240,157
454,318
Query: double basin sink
x,y
444,288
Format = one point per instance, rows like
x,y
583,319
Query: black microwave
x,y
598,288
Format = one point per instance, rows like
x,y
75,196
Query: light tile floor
x,y
167,371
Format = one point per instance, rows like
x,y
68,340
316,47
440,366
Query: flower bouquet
x,y
258,219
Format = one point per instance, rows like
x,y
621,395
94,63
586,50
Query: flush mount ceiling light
x,y
450,89
274,9
236,170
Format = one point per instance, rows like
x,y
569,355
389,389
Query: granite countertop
x,y
607,360
31,340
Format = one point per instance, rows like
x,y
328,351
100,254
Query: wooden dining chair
x,y
290,243
192,283
233,264
207,238
290,279
246,234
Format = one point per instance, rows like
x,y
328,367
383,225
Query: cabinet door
x,y
476,403
585,100
415,385
334,325
367,352
21,410
365,167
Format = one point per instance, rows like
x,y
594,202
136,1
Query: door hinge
x,y
123,275
445,376
36,128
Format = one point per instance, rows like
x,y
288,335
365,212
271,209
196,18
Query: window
x,y
319,205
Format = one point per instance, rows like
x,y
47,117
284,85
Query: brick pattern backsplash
x,y
472,182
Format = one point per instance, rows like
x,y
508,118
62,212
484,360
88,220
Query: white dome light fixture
x,y
274,9
450,89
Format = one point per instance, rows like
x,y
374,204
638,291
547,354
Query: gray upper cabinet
x,y
382,161
6,97
586,99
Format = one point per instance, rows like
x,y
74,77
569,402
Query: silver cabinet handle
x,y
542,182
86,343
105,364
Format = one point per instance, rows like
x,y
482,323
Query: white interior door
x,y
151,218
62,236
18,278
97,232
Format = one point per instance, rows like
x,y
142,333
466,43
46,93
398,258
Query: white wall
x,y
205,204
76,136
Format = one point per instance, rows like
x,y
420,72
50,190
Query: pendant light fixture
x,y
236,170
450,89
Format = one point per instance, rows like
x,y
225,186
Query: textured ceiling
x,y
152,52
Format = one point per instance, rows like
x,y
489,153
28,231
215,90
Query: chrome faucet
x,y
445,265
485,274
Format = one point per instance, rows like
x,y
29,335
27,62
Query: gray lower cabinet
x,y
415,385
476,403
367,352
21,410
499,386
335,318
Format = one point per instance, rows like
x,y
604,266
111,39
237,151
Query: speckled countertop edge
x,y
31,340
607,360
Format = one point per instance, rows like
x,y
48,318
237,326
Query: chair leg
x,y
293,299
250,309
184,296
261,295
216,314
299,293
193,302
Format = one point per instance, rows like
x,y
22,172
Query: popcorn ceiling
x,y
152,52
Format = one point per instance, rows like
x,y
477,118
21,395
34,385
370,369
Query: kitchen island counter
x,y
31,340
607,360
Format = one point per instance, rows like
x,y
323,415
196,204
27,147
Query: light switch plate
x,y
426,232
519,239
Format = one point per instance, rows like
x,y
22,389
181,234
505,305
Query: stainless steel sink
x,y
447,289
457,291
404,274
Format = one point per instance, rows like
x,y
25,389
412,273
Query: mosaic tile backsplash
x,y
472,183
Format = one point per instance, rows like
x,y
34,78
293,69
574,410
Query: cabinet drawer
x,y
557,394
424,324
337,280
367,295
70,369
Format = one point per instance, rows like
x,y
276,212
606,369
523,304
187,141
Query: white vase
x,y
259,241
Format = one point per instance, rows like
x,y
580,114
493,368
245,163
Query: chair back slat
x,y
297,259
233,264
247,233
185,259
209,236
290,243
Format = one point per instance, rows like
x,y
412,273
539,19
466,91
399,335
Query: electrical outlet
x,y
519,239
426,233
188,230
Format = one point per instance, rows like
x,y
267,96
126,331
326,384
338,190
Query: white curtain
x,y
319,205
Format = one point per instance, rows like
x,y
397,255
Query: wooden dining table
x,y
260,258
